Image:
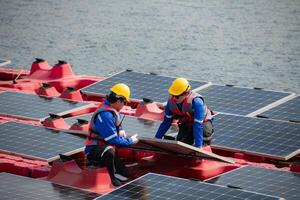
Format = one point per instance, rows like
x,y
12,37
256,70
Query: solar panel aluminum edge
x,y
159,187
254,136
37,142
239,100
142,85
20,187
35,107
262,180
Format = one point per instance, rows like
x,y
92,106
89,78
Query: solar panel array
x,y
274,139
37,141
20,187
35,107
141,85
288,111
267,181
237,100
160,187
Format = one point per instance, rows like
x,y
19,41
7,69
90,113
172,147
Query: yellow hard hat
x,y
179,86
121,89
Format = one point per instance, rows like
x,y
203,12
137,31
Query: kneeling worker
x,y
194,117
106,131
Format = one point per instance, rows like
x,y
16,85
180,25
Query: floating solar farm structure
x,y
250,121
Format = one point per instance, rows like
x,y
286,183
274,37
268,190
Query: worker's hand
x,y
134,139
122,133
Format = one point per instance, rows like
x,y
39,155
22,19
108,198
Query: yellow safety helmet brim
x,y
179,86
121,89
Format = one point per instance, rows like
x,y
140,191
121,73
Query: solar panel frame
x,y
240,100
148,82
287,111
37,142
241,134
159,187
20,187
261,180
24,106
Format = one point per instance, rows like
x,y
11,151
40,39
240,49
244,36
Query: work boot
x,y
116,182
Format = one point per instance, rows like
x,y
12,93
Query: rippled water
x,y
241,42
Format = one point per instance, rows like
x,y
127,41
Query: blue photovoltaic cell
x,y
237,100
266,181
20,187
288,111
35,107
141,85
37,141
160,187
275,139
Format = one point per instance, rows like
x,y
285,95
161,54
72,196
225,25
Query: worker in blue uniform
x,y
106,131
194,117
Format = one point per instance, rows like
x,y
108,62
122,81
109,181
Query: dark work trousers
x,y
186,135
110,160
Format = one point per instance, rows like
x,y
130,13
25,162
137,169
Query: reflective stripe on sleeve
x,y
99,117
169,116
110,137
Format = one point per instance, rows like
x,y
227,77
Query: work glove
x,y
122,133
134,139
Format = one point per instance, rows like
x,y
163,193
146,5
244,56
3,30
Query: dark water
x,y
242,42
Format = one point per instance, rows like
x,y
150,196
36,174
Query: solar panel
x,y
269,138
161,187
267,181
288,111
37,142
132,125
35,107
20,187
141,85
237,100
146,130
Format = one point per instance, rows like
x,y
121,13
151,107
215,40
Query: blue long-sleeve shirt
x,y
198,107
105,124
